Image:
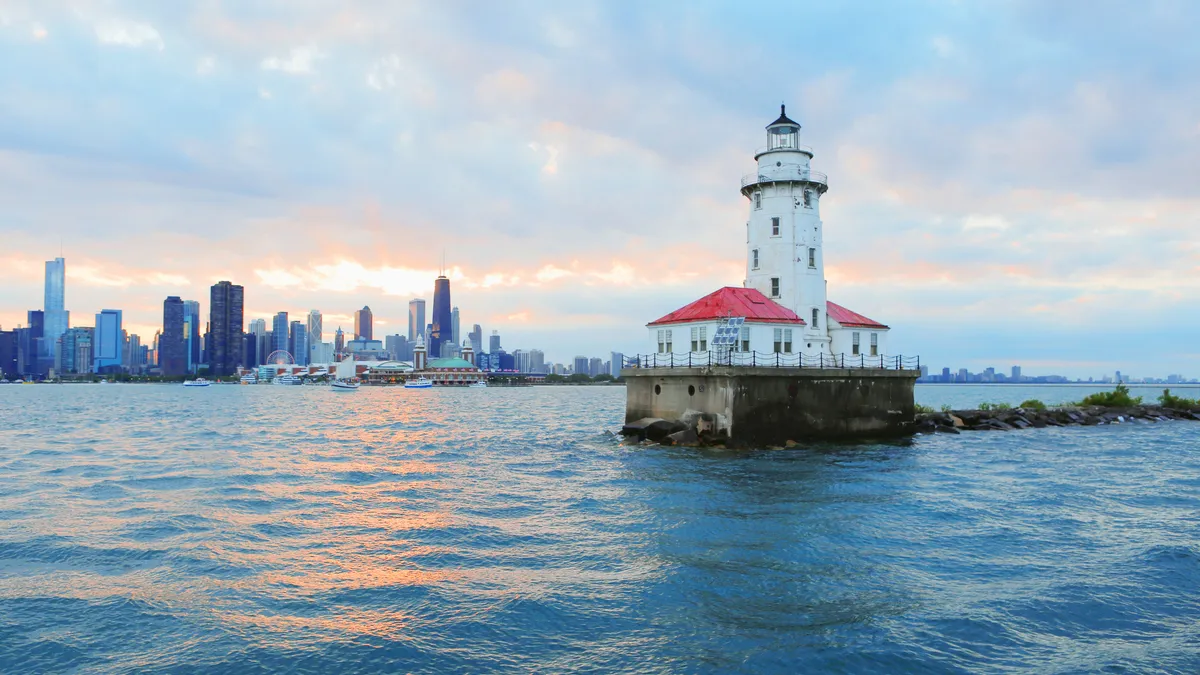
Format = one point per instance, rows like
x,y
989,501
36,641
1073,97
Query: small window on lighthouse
x,y
703,338
874,344
854,343
775,227
812,257
745,338
814,321
807,198
754,259
775,289
787,340
758,200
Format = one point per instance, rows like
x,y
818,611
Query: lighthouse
x,y
783,230
773,360
782,298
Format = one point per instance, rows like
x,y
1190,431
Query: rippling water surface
x,y
150,528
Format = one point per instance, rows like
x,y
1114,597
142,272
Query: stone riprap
x,y
1010,419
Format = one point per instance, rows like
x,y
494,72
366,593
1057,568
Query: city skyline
x,y
995,192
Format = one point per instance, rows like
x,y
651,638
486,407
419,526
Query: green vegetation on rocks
x,y
1169,400
1117,398
1032,404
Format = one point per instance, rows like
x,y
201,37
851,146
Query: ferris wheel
x,y
281,357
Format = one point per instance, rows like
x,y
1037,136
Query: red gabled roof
x,y
848,318
732,301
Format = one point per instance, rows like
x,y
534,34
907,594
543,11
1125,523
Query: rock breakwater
x,y
1012,419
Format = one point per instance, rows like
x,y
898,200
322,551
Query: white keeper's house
x,y
783,296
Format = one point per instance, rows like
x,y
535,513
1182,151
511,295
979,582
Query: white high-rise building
x,y
782,298
315,333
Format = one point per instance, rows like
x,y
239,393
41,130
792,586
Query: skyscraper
x,y
616,363
57,317
172,342
224,343
441,316
107,342
456,336
315,332
494,343
581,365
362,324
76,351
595,366
299,343
191,334
279,328
416,318
339,341
476,338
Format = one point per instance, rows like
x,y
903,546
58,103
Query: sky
x,y
1010,182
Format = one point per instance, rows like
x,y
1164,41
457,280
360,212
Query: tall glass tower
x,y
57,317
225,311
441,325
416,318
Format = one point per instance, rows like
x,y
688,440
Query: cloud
x,y
581,165
38,31
942,46
128,34
299,61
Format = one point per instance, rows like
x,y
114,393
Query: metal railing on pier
x,y
773,360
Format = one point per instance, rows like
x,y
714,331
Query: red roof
x,y
732,301
848,318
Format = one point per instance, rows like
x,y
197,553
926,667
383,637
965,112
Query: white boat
x,y
198,382
343,385
480,384
288,379
419,383
249,379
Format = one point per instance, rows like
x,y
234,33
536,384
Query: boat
x,y
249,379
288,379
198,382
480,384
419,383
343,385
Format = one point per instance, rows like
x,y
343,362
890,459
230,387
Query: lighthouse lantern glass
x,y
783,138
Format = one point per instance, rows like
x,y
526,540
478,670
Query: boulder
x,y
656,431
638,428
686,437
957,422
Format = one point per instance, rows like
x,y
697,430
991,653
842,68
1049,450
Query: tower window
x,y
754,259
854,343
775,288
703,338
778,340
812,257
745,338
758,200
695,338
815,325
775,227
874,344
807,198
787,340
670,345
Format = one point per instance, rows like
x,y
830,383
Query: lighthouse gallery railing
x,y
773,360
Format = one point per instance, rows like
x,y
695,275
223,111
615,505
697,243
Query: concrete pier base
x,y
770,406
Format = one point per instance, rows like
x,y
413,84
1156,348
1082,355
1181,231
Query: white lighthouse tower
x,y
784,260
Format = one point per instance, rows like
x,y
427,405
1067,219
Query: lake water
x,y
968,396
271,529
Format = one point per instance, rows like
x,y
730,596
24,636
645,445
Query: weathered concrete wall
x,y
769,406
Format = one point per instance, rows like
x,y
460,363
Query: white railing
x,y
782,177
